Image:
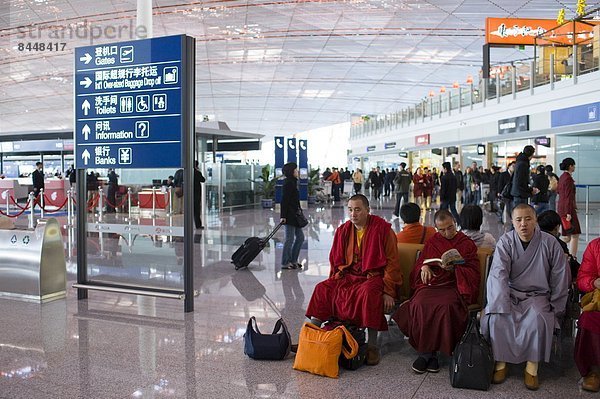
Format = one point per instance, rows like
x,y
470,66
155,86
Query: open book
x,y
450,257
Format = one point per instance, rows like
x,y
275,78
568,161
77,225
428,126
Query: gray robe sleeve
x,y
498,291
560,279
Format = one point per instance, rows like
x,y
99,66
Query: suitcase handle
x,y
267,238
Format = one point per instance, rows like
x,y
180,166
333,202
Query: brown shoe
x,y
373,356
591,382
499,376
531,381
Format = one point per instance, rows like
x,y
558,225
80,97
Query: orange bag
x,y
319,350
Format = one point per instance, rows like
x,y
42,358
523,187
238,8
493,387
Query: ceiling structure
x,y
263,66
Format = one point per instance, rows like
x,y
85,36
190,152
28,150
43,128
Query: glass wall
x,y
584,150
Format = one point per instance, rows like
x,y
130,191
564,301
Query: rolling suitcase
x,y
250,249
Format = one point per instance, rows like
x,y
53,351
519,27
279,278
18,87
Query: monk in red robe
x,y
365,275
435,317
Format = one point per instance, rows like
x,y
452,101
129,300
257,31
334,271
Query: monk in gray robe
x,y
526,294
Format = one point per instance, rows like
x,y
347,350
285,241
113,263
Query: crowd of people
x,y
533,272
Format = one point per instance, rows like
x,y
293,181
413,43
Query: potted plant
x,y
266,187
313,182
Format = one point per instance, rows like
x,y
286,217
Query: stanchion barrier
x,y
70,207
6,192
108,203
57,208
146,204
100,204
32,202
93,202
40,200
128,203
16,215
15,202
153,202
169,193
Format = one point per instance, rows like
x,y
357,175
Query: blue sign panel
x,y
128,104
303,168
575,115
291,150
279,161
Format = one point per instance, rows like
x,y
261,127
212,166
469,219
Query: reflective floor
x,y
125,346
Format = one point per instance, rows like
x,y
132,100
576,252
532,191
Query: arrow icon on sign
x,y
86,107
85,131
86,58
86,82
85,156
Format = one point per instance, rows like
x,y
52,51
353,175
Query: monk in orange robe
x,y
365,275
413,231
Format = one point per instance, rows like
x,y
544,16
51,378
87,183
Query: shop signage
x,y
516,30
371,148
387,146
480,149
451,150
356,159
436,151
585,113
129,99
513,125
422,139
543,141
403,154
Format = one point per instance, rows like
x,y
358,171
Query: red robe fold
x,y
359,277
435,317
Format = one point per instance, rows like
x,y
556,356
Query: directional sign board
x,y
129,98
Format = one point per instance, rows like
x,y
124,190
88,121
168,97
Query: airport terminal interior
x,y
116,277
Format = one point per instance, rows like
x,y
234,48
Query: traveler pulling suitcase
x,y
250,249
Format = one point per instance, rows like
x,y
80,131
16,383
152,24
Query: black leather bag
x,y
301,219
357,361
259,346
472,363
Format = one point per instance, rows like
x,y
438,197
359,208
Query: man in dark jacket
x,y
505,200
402,182
448,190
38,178
541,182
113,185
460,185
521,191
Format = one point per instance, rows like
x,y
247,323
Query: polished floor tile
x,y
126,346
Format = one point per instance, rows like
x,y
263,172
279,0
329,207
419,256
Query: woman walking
x,y
290,204
567,207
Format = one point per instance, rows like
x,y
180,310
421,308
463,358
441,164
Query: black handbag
x,y
472,363
300,218
275,346
361,357
359,336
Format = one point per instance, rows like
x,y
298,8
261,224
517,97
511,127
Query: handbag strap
x,y
349,344
252,325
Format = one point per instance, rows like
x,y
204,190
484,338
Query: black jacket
x,y
38,180
460,184
541,182
503,180
448,187
520,179
290,201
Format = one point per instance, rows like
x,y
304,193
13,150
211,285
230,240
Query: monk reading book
x,y
435,317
